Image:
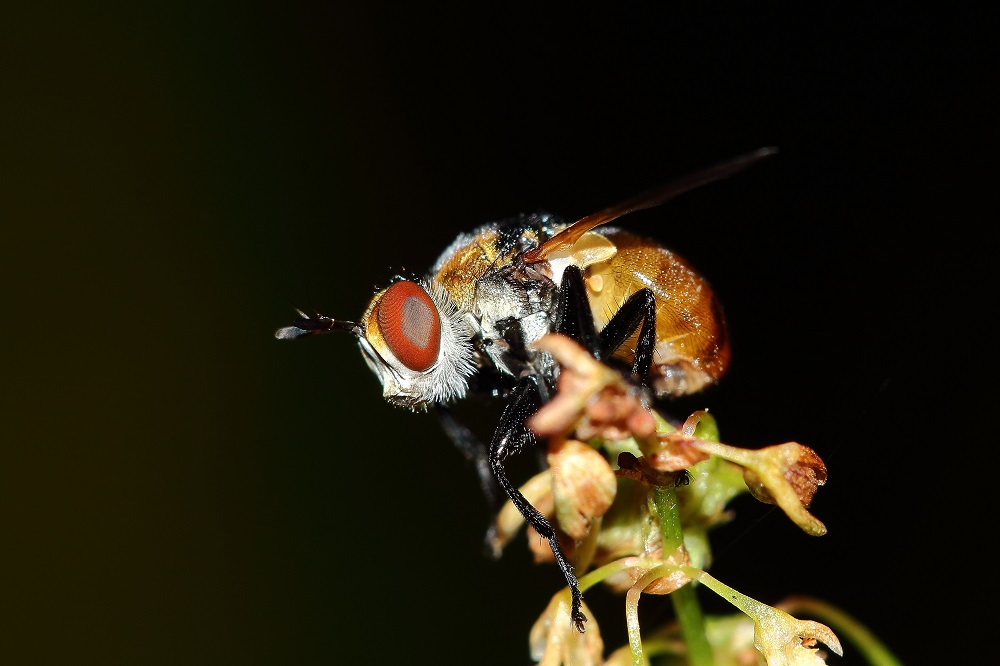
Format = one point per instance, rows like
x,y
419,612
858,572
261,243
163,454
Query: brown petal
x,y
801,468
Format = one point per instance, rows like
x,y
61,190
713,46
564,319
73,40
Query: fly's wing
x,y
568,237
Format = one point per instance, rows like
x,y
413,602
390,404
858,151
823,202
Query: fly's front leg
x,y
640,307
511,436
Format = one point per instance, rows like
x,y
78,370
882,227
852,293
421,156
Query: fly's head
x,y
417,344
414,340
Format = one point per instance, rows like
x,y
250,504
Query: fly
x,y
468,326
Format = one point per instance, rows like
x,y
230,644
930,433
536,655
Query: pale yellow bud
x,y
583,486
555,642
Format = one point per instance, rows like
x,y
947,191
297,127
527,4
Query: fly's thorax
x,y
499,297
510,303
489,250
417,343
506,303
513,309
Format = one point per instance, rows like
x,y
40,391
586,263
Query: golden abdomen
x,y
692,346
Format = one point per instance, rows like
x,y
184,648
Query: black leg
x,y
640,307
511,436
573,314
474,451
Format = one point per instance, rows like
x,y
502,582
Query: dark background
x,y
180,488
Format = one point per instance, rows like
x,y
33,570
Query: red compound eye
x,y
410,325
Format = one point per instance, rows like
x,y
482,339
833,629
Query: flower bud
x,y
583,486
554,641
780,638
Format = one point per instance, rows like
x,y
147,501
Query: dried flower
x,y
592,399
785,474
801,468
673,450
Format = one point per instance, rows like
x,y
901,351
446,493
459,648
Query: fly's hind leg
x,y
575,318
639,308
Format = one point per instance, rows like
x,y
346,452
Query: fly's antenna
x,y
309,325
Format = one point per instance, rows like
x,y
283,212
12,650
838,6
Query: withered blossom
x,y
784,474
592,399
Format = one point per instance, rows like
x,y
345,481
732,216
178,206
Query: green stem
x,y
692,623
685,601
671,532
599,574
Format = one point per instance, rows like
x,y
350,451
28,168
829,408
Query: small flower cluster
x,y
633,499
